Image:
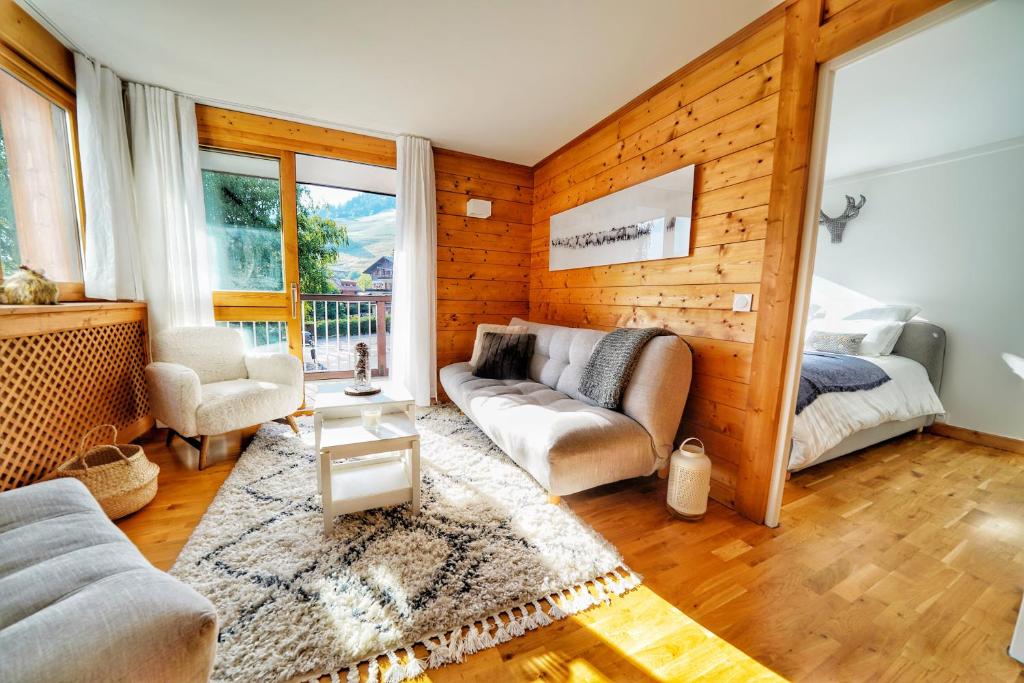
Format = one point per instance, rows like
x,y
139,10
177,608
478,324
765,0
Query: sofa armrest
x,y
657,391
279,368
174,395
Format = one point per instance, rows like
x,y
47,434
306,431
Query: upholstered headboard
x,y
926,343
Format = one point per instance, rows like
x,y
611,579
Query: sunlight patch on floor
x,y
638,637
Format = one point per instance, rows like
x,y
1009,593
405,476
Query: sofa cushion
x,y
560,355
80,603
657,391
565,444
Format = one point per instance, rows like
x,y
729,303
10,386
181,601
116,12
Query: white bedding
x,y
833,417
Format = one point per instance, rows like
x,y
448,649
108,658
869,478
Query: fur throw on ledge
x,y
26,286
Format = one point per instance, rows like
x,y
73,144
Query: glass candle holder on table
x,y
371,418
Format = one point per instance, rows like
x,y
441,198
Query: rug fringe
x,y
481,635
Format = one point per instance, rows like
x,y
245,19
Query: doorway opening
x,y
911,250
346,246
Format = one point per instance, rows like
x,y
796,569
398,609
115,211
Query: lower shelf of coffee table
x,y
380,483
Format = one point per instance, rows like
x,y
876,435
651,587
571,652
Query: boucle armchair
x,y
203,383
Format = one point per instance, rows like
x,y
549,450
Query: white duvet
x,y
833,417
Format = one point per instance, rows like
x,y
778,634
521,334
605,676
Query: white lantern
x,y
689,481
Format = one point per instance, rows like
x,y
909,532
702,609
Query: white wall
x,y
949,237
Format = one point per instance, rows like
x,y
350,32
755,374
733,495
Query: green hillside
x,y
370,219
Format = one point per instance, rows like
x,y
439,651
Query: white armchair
x,y
203,383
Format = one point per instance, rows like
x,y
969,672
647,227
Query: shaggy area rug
x,y
487,559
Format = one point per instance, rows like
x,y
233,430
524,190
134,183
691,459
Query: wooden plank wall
x,y
483,265
720,115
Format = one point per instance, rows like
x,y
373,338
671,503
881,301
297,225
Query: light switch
x,y
742,302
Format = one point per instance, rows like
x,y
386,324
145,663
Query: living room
x,y
329,352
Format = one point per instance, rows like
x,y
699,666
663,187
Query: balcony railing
x,y
333,324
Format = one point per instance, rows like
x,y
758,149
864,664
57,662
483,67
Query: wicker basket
x,y
120,476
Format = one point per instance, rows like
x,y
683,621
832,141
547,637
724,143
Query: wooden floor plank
x,y
900,562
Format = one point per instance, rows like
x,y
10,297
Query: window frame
x,y
227,130
34,77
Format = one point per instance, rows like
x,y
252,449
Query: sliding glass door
x,y
346,243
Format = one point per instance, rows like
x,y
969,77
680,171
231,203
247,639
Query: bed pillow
x,y
505,356
482,329
880,337
845,343
898,313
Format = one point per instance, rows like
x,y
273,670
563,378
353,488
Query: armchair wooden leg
x,y
204,450
292,423
554,500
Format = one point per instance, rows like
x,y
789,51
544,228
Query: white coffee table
x,y
393,397
362,468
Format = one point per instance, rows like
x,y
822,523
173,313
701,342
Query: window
x,y
243,220
38,210
346,235
262,336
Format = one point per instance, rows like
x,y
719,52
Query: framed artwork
x,y
641,223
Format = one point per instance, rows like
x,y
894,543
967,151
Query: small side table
x,y
361,468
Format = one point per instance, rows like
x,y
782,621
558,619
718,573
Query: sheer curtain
x,y
112,263
413,317
169,206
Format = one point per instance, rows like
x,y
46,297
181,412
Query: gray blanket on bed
x,y
610,366
826,373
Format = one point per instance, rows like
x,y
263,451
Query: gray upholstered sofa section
x,y
559,436
78,602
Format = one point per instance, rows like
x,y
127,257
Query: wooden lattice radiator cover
x,y
62,372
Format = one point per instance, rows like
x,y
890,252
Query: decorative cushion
x,y
501,329
836,342
505,356
880,336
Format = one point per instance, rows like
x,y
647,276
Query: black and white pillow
x,y
505,356
845,343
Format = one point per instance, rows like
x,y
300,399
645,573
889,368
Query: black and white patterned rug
x,y
487,559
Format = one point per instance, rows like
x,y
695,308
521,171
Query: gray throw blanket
x,y
827,373
607,373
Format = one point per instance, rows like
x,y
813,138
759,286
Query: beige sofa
x,y
561,438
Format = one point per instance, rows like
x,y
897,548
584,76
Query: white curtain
x,y
169,206
112,267
413,316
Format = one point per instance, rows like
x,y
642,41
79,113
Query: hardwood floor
x,y
903,562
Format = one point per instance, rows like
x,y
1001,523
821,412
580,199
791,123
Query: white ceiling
x,y
508,79
953,87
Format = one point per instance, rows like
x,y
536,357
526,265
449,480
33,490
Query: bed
x,y
838,423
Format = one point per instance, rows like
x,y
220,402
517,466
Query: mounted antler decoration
x,y
837,225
